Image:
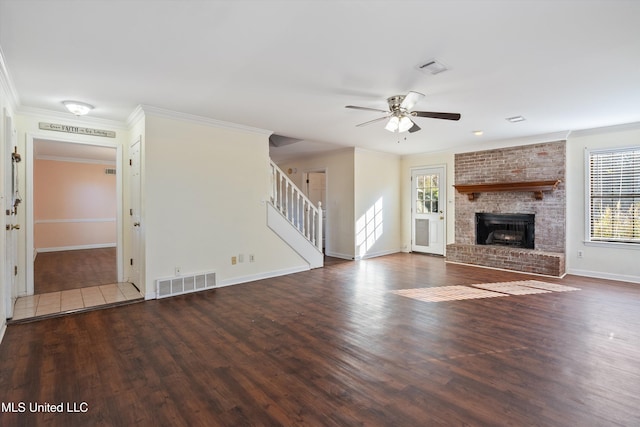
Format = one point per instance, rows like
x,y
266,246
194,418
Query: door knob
x,y
136,224
15,226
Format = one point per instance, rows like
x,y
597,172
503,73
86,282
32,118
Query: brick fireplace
x,y
502,182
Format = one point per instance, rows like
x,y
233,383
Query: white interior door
x,y
10,178
428,210
136,225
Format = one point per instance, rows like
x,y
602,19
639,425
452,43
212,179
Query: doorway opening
x,y
75,212
73,228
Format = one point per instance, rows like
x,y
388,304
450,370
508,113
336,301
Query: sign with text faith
x,y
77,130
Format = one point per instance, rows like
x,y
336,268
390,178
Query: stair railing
x,y
296,207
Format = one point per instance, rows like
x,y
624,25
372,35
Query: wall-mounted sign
x,y
78,130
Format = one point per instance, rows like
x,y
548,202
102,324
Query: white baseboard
x,y
3,330
77,247
377,254
601,275
260,276
339,255
151,293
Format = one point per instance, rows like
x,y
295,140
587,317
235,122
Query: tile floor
x,y
73,300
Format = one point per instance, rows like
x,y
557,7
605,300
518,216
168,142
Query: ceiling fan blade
x,y
374,120
435,115
414,128
366,109
410,100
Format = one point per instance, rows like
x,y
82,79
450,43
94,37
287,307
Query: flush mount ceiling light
x,y
515,119
78,108
478,132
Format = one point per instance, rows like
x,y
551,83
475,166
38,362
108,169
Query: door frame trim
x,y
29,246
9,140
139,256
305,186
443,199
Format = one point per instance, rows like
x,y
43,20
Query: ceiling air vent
x,y
432,67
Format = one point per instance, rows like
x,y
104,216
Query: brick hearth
x,y
515,164
525,260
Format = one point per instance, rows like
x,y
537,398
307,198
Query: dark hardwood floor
x,y
333,347
60,271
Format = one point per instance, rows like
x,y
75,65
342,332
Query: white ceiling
x,y
292,66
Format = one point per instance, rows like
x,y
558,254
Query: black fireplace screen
x,y
505,229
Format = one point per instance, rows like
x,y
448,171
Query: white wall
x,y
363,200
205,189
618,262
339,167
377,203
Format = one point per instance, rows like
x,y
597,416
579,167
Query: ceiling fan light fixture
x,y
405,124
392,124
400,113
78,108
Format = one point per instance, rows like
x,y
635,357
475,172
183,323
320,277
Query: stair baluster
x,y
287,198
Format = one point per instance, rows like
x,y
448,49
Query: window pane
x,y
614,179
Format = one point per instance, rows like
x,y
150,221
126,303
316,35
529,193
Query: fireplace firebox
x,y
515,230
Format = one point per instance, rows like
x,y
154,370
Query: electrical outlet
x,y
580,254
234,260
252,258
178,271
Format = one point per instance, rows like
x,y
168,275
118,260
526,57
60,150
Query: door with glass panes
x,y
428,210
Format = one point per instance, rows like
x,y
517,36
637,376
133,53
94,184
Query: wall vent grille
x,y
110,171
172,286
422,232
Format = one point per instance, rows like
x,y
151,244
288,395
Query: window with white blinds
x,y
614,195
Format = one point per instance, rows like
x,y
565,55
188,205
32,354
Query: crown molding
x,y
501,143
606,129
136,115
184,117
6,83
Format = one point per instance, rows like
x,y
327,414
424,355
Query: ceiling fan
x,y
400,113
